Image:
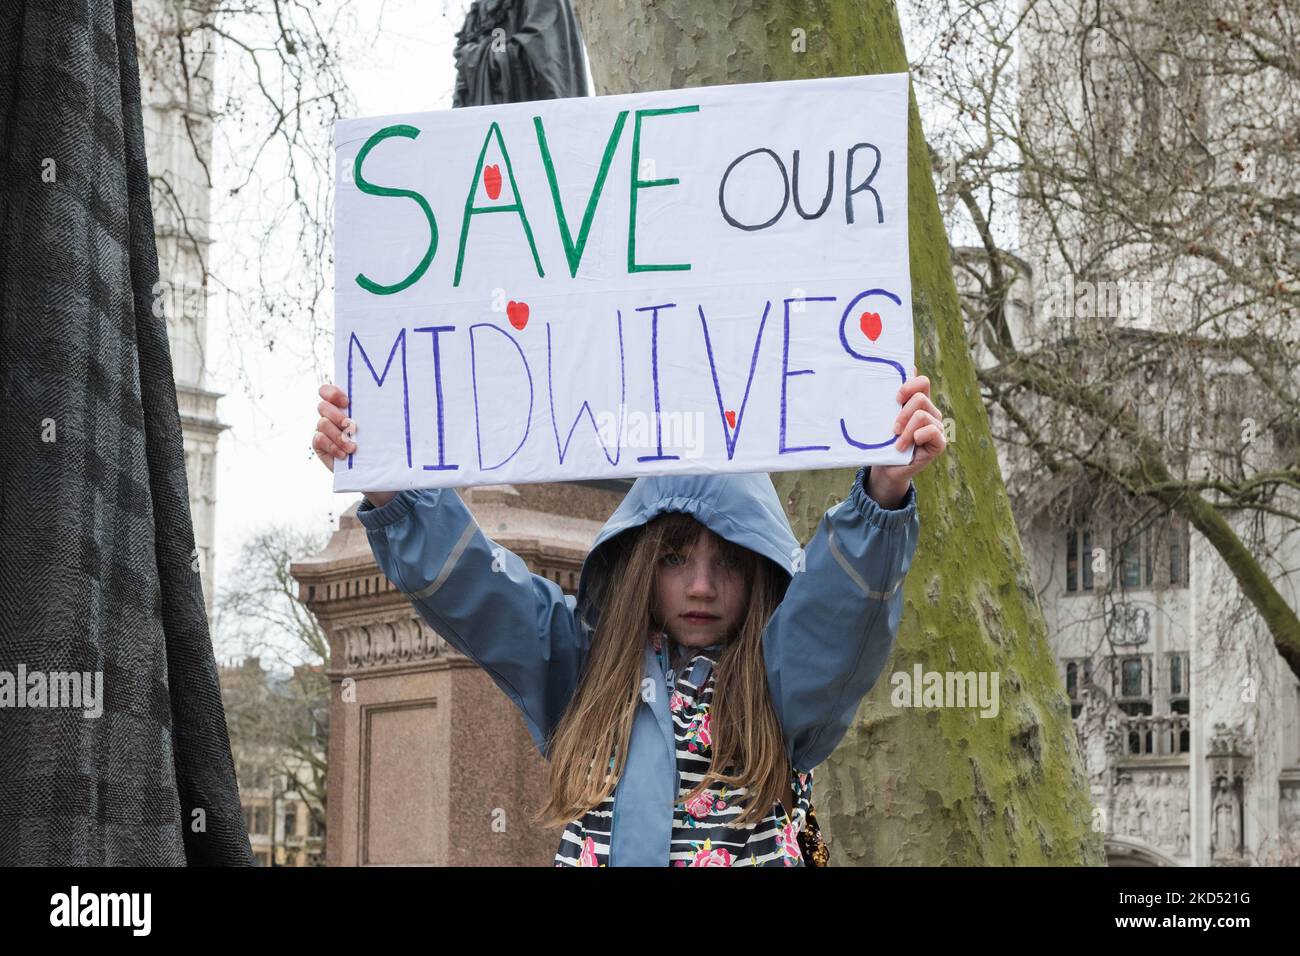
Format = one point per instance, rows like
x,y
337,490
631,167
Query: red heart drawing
x,y
731,418
870,322
492,181
517,312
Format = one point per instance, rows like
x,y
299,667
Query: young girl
x,y
707,664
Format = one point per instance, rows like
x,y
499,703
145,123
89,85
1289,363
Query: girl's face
x,y
699,594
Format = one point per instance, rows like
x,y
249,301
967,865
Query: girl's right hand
x,y
333,438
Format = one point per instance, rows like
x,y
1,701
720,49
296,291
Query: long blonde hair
x,y
588,749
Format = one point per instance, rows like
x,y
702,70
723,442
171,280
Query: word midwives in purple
x,y
102,909
786,384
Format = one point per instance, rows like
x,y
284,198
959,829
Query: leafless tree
x,y
259,85
1122,177
280,725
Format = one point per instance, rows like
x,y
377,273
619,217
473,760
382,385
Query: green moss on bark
x,y
907,785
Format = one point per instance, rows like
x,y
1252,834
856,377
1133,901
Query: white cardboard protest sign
x,y
705,280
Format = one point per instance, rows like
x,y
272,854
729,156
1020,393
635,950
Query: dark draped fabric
x,y
97,565
512,51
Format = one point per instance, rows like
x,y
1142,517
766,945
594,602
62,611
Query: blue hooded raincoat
x,y
824,646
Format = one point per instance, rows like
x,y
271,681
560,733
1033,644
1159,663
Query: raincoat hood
x,y
742,508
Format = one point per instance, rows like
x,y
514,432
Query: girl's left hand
x,y
919,424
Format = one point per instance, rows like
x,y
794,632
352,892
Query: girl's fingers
x,y
322,443
931,436
335,415
917,383
919,420
332,432
326,450
918,402
334,395
332,439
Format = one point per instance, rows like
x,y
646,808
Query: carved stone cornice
x,y
398,641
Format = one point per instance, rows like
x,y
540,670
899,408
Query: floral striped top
x,y
703,833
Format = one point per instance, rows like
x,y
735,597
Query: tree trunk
x,y
928,785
